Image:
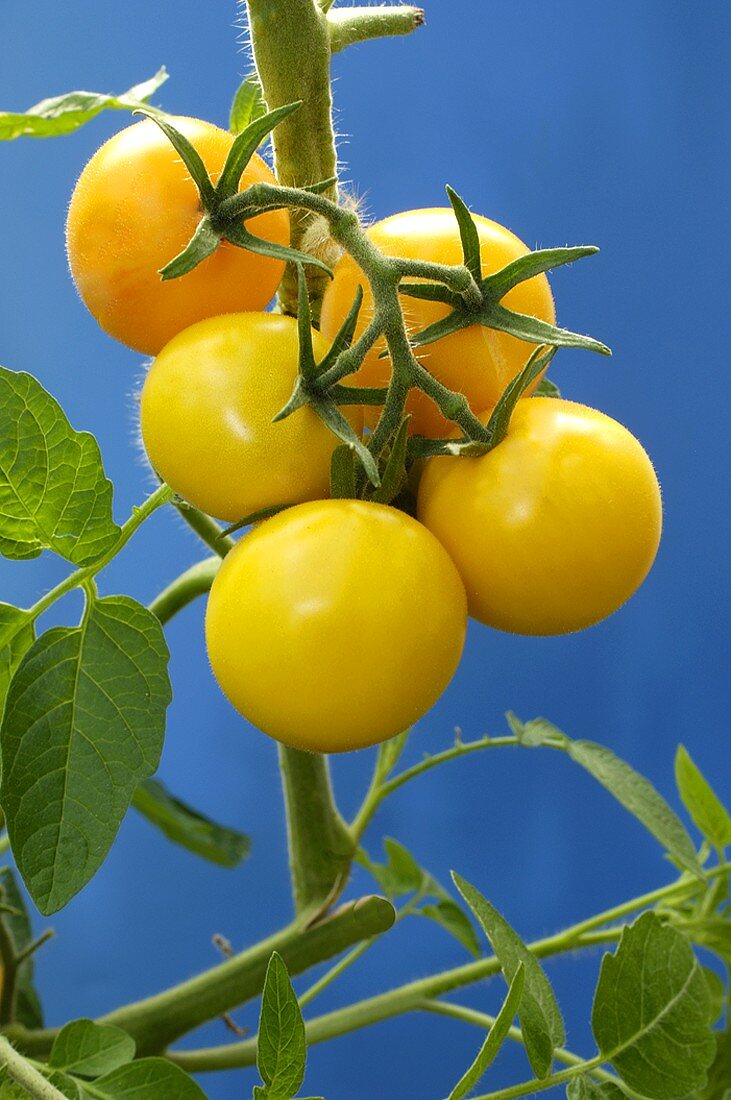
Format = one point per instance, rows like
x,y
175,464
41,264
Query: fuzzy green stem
x,y
291,44
350,25
320,845
528,1088
26,1075
206,529
194,582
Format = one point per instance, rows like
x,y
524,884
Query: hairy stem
x,y
350,25
25,1074
194,582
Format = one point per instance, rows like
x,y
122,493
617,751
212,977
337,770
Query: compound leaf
x,y
87,1049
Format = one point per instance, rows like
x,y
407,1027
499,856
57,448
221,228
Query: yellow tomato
x,y
336,624
556,527
133,209
206,417
476,361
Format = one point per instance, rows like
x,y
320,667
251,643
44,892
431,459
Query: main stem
x,y
26,1075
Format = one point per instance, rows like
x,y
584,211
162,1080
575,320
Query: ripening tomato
x,y
134,209
206,416
556,527
476,361
336,624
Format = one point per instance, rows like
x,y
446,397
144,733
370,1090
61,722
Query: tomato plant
x,y
384,449
476,361
556,527
320,581
133,209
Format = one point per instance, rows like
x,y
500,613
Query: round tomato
x,y
133,209
336,624
556,527
476,361
206,416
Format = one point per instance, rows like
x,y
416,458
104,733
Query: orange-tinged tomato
x,y
206,417
556,527
134,209
336,624
476,361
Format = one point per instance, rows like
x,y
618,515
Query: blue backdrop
x,y
571,122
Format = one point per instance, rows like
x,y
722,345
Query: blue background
x,y
571,122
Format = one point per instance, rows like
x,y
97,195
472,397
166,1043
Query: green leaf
x,y
190,157
65,113
719,1075
245,145
713,933
540,1016
651,1013
146,1079
281,1048
342,473
306,365
494,1039
538,731
468,235
499,421
185,826
454,920
536,331
16,638
584,1088
87,1049
344,336
406,875
389,753
341,427
53,491
638,796
700,800
242,238
717,992
84,723
255,517
546,388
201,245
28,1009
530,265
394,475
248,104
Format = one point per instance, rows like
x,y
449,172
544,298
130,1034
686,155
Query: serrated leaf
x,y
16,637
494,1039
87,1049
583,1088
700,800
28,1009
651,1013
185,826
638,796
248,104
540,1016
455,921
84,723
65,113
146,1079
281,1048
53,491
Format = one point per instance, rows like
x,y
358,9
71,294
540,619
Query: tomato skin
x,y
206,417
335,624
555,528
476,361
133,209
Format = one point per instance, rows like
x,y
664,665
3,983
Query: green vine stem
x,y
26,1075
350,25
410,997
191,584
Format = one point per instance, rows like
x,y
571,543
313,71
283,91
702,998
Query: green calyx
x,y
481,304
216,225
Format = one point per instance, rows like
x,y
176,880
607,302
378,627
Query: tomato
x,y
553,529
134,208
206,417
336,624
476,361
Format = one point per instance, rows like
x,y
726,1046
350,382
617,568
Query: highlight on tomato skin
x,y
135,208
336,624
554,529
476,361
206,417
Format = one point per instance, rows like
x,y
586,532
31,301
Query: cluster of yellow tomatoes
x,y
336,624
